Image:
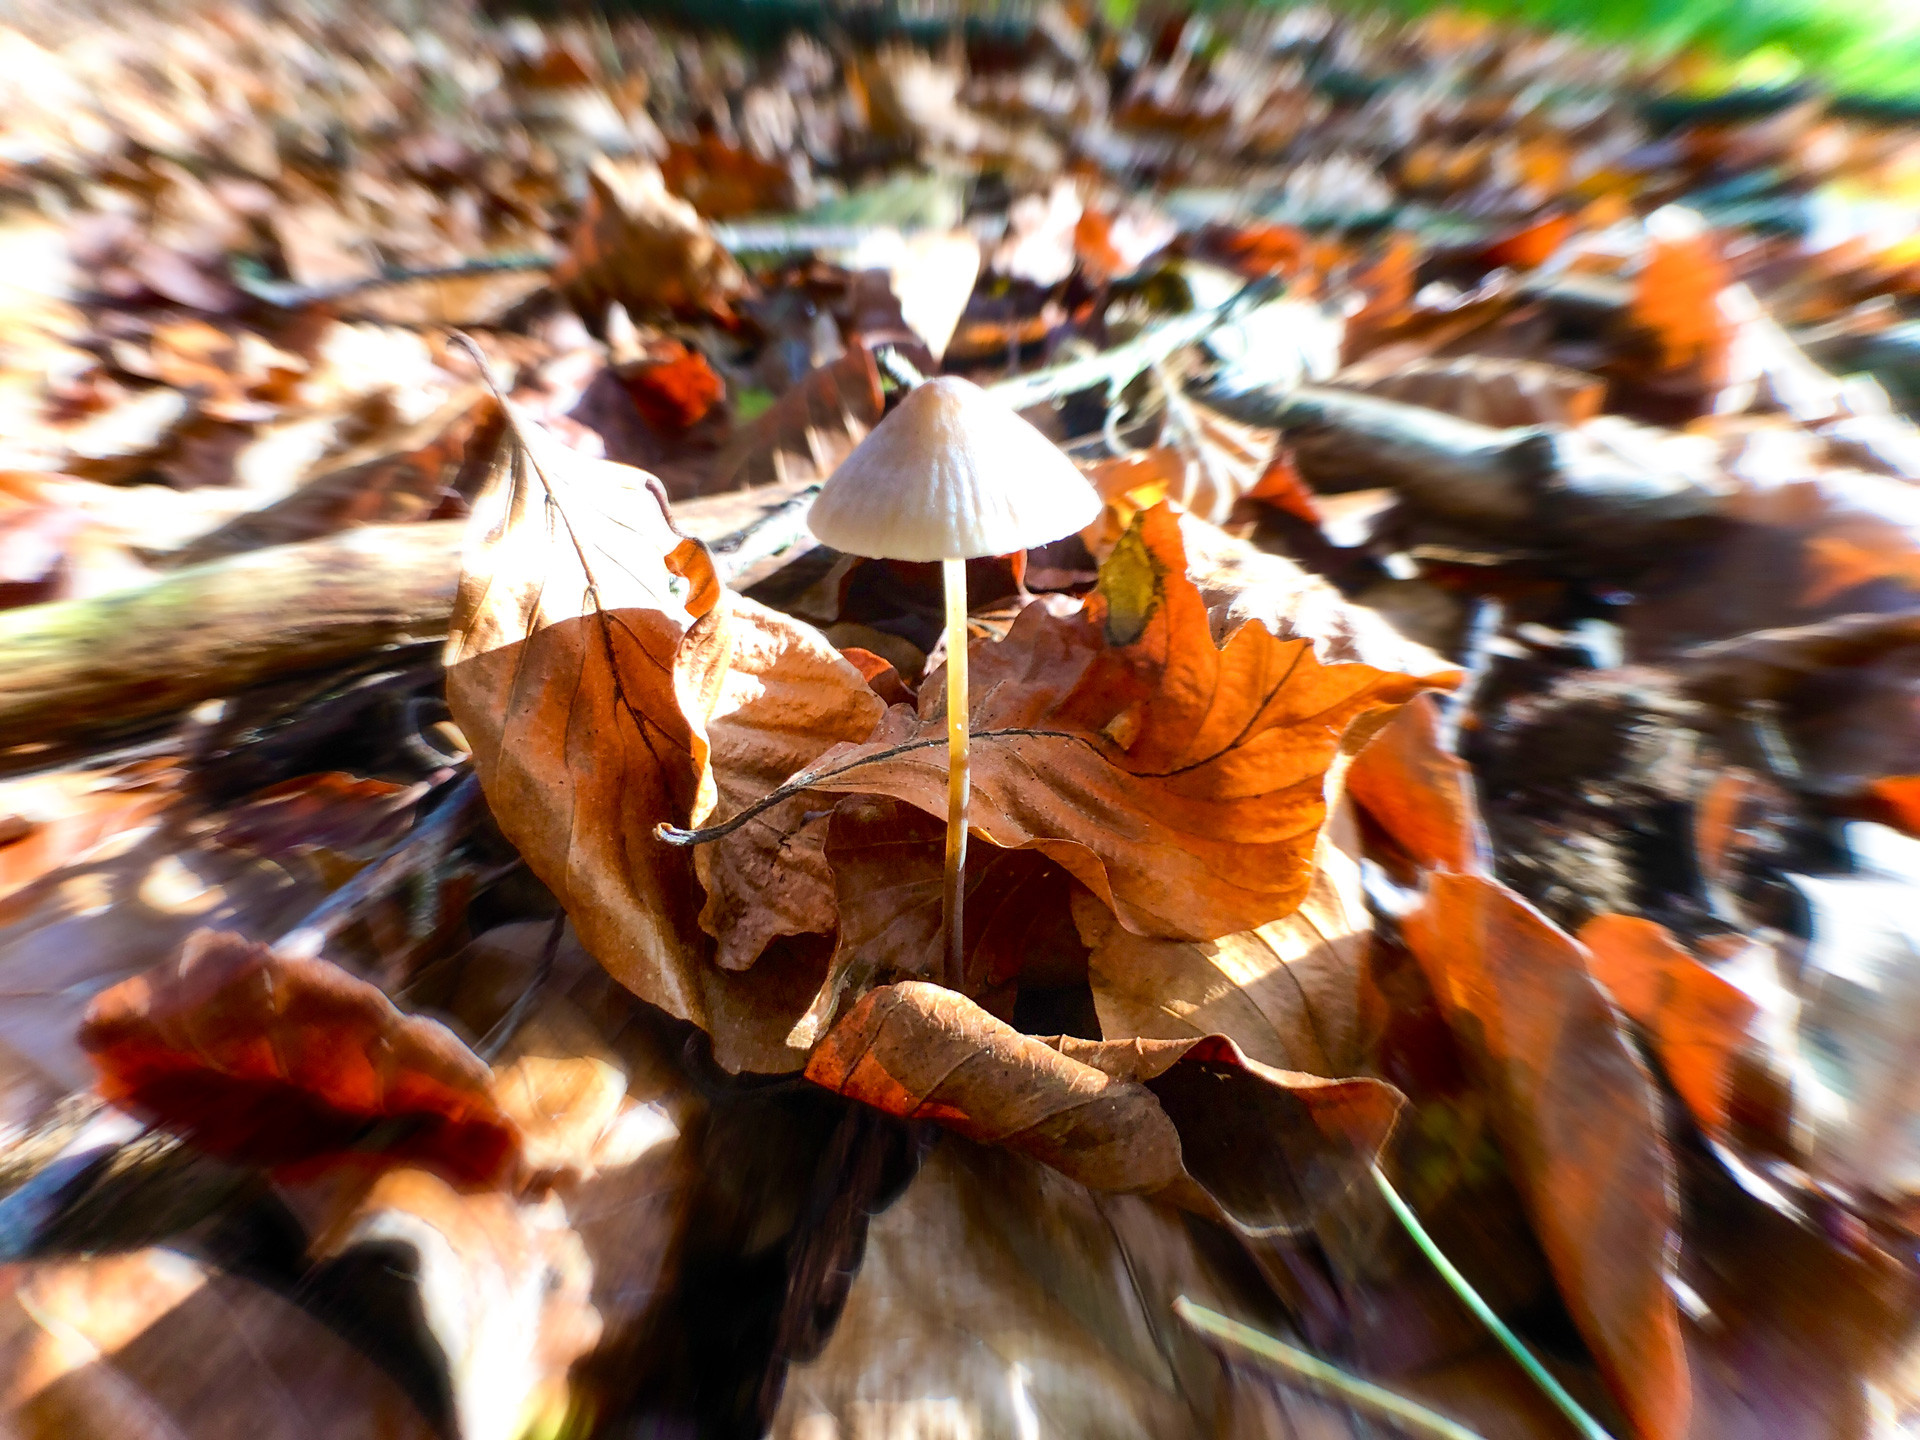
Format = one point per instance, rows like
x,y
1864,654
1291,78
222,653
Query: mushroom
x,y
950,475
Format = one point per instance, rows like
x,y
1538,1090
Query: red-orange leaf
x,y
273,1060
1696,1020
1578,1120
1419,794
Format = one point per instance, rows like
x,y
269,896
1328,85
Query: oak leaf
x,y
1165,1117
1180,781
1578,1120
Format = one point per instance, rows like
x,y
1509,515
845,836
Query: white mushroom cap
x,y
950,475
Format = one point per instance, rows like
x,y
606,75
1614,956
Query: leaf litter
x,y
471,862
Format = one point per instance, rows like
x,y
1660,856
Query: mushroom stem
x,y
958,779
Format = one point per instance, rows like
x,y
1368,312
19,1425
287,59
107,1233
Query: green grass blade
x,y
1510,1342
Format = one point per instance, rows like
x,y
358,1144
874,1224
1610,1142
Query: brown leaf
x,y
1180,782
47,821
888,863
1167,1117
153,1345
1578,1120
328,811
274,1060
503,1288
608,682
1060,1310
1696,1021
1287,993
1419,794
643,247
1487,389
809,430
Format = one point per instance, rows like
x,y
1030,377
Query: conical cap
x,y
949,475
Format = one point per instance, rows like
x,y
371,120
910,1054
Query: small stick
x,y
1408,1414
959,778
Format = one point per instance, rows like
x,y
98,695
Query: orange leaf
x,y
1181,781
1696,1020
1895,801
273,1060
1169,1117
1579,1122
1288,993
1419,794
1676,300
673,388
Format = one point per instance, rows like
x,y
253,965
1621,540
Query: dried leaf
x,y
1057,1318
933,279
888,862
503,1288
1419,794
48,821
1676,298
1696,1021
1859,997
809,430
1164,1117
607,682
1487,389
1288,993
153,1345
1180,782
640,246
258,1057
1578,1120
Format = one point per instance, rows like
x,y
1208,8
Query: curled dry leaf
x,y
1696,1021
1287,993
606,680
502,1286
1578,1121
1421,795
1180,781
152,1345
1165,1117
643,247
274,1060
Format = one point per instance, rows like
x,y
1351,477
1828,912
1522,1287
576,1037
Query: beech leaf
x,y
1166,1117
255,1056
1579,1122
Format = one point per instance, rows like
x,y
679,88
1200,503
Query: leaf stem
x,y
1510,1342
1409,1414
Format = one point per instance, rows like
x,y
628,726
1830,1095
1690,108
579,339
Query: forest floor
x,y
1443,903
